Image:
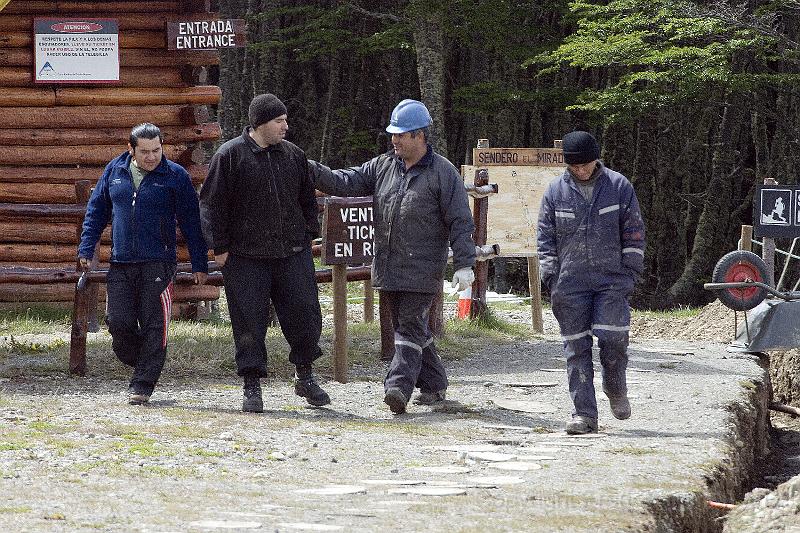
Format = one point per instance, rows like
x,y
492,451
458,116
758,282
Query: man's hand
x,y
84,263
200,278
221,259
463,278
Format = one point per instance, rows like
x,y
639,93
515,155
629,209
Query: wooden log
x,y
129,57
203,94
27,96
29,193
56,175
480,209
17,39
339,277
60,7
24,292
127,21
194,293
29,211
72,96
122,116
79,154
62,253
129,77
115,136
40,231
30,264
44,253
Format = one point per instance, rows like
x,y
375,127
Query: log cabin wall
x,y
52,135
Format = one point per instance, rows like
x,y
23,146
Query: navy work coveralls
x,y
591,253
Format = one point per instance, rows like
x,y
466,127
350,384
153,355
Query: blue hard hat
x,y
409,115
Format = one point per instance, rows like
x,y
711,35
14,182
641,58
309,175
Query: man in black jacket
x,y
259,215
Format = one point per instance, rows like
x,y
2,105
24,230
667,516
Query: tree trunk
x,y
429,44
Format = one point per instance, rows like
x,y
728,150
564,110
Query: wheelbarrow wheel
x,y
738,266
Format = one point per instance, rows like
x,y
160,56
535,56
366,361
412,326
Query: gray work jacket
x,y
417,213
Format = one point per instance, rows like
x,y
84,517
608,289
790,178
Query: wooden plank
x,y
57,175
124,116
115,136
513,212
194,293
518,157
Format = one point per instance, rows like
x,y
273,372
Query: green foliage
x,y
664,53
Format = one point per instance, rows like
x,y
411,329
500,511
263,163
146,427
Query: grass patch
x,y
633,450
35,319
680,312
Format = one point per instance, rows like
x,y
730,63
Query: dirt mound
x,y
714,322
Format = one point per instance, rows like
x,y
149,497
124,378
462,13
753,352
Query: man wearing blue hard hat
x,y
590,241
420,208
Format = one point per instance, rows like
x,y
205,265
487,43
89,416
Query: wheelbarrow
x,y
771,317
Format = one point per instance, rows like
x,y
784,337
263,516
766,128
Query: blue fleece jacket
x,y
143,221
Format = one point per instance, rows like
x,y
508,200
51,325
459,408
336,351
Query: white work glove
x,y
463,278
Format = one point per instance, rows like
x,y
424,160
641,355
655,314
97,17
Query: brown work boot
x,y
396,400
620,407
580,425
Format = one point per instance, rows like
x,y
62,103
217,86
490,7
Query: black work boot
x,y
305,385
252,395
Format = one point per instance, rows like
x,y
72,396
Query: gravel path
x,y
75,457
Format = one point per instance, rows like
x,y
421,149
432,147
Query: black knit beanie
x,y
580,147
264,108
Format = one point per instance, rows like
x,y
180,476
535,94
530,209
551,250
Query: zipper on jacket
x,y
274,188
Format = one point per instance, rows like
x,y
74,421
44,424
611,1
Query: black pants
x,y
290,284
138,314
415,362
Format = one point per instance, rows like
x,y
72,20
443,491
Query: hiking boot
x,y
308,388
580,425
396,401
137,397
620,407
252,395
429,398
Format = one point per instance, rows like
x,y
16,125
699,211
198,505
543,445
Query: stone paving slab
x,y
75,457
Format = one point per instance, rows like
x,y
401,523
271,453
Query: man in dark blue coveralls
x,y
591,252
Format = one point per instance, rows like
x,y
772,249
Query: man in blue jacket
x,y
142,194
591,252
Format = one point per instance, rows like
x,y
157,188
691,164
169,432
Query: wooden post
x,y
747,238
768,248
387,330
81,303
479,214
369,301
340,323
436,314
535,287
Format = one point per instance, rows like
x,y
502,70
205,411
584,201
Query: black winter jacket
x,y
417,213
258,202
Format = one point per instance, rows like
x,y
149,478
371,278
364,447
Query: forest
x,y
695,102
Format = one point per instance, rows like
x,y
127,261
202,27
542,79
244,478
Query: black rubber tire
x,y
740,265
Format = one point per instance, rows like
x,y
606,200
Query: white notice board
x,y
72,50
513,212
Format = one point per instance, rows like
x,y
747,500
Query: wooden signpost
x,y
521,175
348,236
